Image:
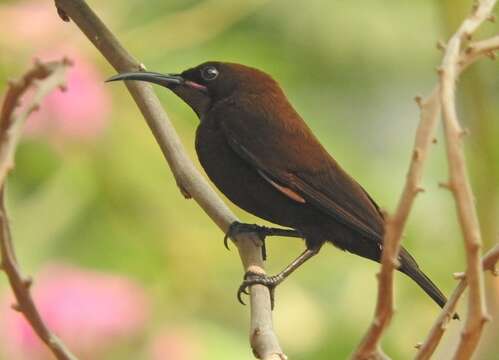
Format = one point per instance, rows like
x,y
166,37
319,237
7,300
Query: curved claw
x,y
226,240
251,278
230,232
236,228
242,289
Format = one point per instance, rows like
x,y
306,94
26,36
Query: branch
x,y
395,224
192,184
45,77
458,180
427,349
478,50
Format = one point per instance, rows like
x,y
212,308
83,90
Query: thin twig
x,y
262,337
459,182
478,50
394,225
45,77
428,347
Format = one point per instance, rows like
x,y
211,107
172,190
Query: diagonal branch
x,y
395,224
45,77
192,184
459,183
427,349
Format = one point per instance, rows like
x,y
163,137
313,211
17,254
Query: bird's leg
x,y
271,282
262,231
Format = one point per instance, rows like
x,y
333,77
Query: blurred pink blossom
x,y
81,111
175,344
29,22
89,311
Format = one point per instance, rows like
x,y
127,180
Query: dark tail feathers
x,y
411,269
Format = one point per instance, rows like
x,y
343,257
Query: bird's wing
x,y
288,154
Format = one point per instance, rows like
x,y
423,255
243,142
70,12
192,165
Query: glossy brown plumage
x,y
261,154
236,138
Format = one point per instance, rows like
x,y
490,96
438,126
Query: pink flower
x,y
175,344
29,23
89,311
80,112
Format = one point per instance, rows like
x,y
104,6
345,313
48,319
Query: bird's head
x,y
202,86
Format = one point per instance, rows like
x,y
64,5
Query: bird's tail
x,y
409,267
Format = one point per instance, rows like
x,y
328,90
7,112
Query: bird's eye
x,y
209,73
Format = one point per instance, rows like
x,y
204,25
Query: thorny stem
x,y
369,348
429,346
46,77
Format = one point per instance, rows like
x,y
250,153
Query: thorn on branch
x,y
418,345
459,275
16,307
37,62
475,7
142,67
419,100
67,61
491,55
492,18
475,246
419,189
11,83
441,45
28,282
416,154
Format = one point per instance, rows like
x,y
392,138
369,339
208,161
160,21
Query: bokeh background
x,y
125,268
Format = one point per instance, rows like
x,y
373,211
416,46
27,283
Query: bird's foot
x,y
240,228
252,278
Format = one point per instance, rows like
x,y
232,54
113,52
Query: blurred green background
x,y
91,198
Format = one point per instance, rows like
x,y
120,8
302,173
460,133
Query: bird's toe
x,y
252,278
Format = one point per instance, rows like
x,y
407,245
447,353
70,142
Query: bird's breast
x,y
240,181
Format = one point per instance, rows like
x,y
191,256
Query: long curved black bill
x,y
166,80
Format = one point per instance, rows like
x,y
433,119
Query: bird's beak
x,y
166,80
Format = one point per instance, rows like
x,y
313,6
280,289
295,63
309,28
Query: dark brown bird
x,y
261,154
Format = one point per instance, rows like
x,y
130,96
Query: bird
x,y
261,154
